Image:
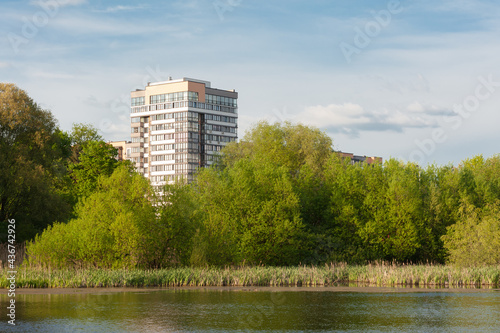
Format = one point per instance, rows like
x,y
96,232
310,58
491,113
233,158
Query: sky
x,y
413,80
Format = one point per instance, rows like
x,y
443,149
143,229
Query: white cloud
x,y
120,8
347,114
52,75
415,84
71,2
61,3
188,4
88,25
461,6
429,110
416,107
111,128
351,119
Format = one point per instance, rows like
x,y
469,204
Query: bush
x,y
115,227
475,239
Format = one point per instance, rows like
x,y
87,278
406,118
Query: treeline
x,y
44,171
281,196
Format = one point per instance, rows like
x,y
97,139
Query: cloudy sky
x,y
415,80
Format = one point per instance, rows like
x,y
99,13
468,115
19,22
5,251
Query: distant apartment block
x,y
124,149
179,126
360,159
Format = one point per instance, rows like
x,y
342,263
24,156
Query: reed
x,y
381,274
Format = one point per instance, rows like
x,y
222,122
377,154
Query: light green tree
x,y
284,144
475,239
115,227
215,238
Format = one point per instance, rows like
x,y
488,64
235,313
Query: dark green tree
x,y
251,215
95,159
32,154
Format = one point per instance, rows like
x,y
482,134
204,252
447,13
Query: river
x,y
256,310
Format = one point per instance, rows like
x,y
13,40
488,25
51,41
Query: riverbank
x,y
338,289
376,275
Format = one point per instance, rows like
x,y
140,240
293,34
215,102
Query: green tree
x,y
215,241
442,203
475,239
250,214
304,152
354,196
265,197
32,153
289,145
80,136
268,212
479,181
96,158
179,220
115,227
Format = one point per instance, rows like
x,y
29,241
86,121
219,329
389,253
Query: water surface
x,y
261,310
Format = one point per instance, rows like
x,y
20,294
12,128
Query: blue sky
x,y
415,80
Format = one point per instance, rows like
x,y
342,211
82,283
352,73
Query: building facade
x,y
124,149
179,126
360,159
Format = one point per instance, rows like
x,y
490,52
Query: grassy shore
x,y
381,274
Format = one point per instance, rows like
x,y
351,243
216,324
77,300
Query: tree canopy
x,y
44,171
31,163
281,196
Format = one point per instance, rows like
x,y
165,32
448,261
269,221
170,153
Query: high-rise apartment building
x,y
179,126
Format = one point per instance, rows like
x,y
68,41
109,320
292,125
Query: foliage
x,y
95,159
281,196
251,202
32,153
475,238
115,226
374,274
288,145
179,220
80,136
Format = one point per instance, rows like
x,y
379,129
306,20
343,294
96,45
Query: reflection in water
x,y
188,310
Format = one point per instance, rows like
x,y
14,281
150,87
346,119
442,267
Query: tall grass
x,y
377,274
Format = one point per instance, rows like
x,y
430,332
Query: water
x,y
264,310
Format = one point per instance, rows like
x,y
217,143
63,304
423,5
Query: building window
x,y
221,100
138,101
174,97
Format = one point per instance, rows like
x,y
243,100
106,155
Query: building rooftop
x,y
206,83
